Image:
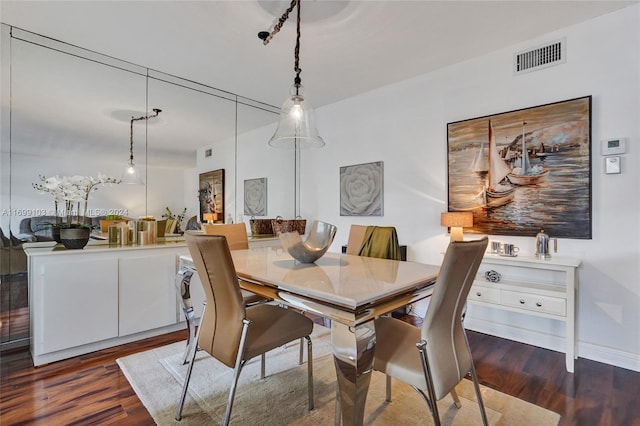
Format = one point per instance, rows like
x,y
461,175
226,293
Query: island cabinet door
x,y
78,303
147,291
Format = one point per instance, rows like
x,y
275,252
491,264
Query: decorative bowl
x,y
314,247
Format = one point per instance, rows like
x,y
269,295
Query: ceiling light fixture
x,y
297,125
131,174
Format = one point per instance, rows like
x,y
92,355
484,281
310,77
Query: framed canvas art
x,y
361,190
525,170
211,194
255,197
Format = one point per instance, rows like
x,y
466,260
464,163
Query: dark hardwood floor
x,y
91,389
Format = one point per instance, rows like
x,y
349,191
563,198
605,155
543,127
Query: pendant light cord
x,y
266,37
144,117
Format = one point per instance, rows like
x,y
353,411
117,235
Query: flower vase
x,y
55,234
75,238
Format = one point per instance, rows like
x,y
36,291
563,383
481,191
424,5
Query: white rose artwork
x,y
361,191
255,197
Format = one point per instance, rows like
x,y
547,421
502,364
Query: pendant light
x,y
131,174
297,125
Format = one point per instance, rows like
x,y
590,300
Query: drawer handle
x,y
539,305
478,294
522,301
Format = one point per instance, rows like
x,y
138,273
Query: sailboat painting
x,y
524,170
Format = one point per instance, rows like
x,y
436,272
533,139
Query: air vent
x,y
540,57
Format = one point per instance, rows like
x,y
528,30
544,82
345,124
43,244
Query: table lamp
x,y
456,221
210,217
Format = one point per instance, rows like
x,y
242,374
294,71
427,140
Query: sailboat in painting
x,y
496,193
480,164
525,174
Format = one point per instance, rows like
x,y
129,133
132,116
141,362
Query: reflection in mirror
x,y
69,114
256,159
194,115
211,196
13,283
63,123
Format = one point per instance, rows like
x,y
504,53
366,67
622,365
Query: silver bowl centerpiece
x,y
317,243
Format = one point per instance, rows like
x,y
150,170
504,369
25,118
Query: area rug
x,y
157,376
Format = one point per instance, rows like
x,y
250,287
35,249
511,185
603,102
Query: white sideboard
x,y
104,295
101,296
540,287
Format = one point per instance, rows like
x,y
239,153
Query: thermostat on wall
x,y
614,146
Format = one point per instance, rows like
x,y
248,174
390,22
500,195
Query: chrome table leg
x,y
353,350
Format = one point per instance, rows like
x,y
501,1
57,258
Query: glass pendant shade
x,y
131,175
297,125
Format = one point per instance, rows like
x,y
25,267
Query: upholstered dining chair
x,y
231,332
356,236
237,239
435,357
373,241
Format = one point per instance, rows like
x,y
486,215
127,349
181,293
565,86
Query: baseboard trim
x,y
610,356
589,351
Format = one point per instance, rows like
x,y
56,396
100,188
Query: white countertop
x,y
48,248
523,258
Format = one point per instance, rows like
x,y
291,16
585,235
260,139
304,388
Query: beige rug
x,y
281,399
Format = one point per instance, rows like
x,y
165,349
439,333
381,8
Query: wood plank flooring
x,y
91,390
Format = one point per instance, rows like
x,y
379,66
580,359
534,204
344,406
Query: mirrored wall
x,y
67,111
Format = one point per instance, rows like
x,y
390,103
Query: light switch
x,y
612,165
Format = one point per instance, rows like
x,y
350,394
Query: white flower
x,y
72,190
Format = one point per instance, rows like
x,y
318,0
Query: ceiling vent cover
x,y
550,54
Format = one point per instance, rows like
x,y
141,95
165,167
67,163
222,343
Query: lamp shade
x,y
210,217
456,219
131,175
297,124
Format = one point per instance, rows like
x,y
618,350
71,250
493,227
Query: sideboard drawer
x,y
484,294
535,302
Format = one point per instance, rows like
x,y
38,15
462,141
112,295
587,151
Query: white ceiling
x,y
348,47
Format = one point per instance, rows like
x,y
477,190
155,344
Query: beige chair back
x,y
236,234
442,329
373,241
221,325
356,237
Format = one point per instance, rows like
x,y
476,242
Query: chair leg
x,y
301,346
262,366
338,415
236,371
309,371
183,282
476,386
190,369
388,398
422,347
191,341
300,360
456,400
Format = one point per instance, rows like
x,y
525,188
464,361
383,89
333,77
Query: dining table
x,y
351,291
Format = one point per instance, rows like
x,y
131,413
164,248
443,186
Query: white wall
x,y
249,157
165,187
404,125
